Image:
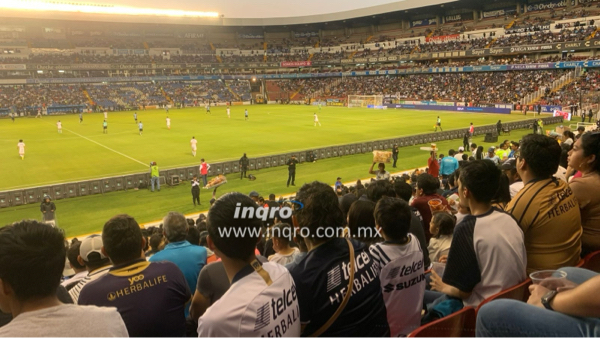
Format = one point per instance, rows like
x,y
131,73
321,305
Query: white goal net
x,y
364,101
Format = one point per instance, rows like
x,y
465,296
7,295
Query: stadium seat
x,y
458,324
581,263
592,261
518,292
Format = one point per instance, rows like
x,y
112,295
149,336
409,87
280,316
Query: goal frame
x,y
364,101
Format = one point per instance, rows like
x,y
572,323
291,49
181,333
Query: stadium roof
x,y
230,12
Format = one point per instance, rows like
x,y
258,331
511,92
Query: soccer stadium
x,y
385,168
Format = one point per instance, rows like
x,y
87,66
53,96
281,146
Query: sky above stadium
x,y
258,8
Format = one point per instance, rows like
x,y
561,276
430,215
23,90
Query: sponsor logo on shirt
x,y
284,311
366,272
137,283
403,271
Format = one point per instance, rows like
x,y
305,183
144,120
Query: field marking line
x,y
102,145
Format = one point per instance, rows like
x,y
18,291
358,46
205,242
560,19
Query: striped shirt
x,y
549,216
92,276
402,278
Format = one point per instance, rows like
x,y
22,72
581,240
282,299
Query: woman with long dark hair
x,y
479,153
585,157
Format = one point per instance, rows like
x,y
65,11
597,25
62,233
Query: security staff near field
x,y
291,163
244,163
48,210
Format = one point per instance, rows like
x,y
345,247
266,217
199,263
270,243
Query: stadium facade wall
x,y
142,180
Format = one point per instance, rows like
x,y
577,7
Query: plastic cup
x,y
435,205
550,279
438,268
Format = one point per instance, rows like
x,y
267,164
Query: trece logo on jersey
x,y
403,273
366,271
279,315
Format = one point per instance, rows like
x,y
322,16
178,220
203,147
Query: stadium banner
x,y
250,36
452,108
453,18
296,64
443,38
546,5
306,34
424,22
13,67
535,28
499,12
190,35
126,34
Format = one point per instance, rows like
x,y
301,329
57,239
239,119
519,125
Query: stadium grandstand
x,y
392,168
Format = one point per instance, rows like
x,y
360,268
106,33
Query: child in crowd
x,y
441,228
282,233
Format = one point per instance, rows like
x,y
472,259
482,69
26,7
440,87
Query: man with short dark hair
x,y
190,259
32,258
262,298
381,174
96,264
580,131
546,208
80,271
483,243
150,297
395,152
322,276
427,187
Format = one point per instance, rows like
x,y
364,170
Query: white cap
x,y
89,245
461,148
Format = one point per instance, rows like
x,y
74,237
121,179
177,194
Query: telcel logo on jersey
x,y
265,213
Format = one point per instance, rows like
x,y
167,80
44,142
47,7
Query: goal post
x,y
364,101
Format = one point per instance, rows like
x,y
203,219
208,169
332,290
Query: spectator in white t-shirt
x,y
262,298
282,234
459,156
509,167
487,254
400,264
32,258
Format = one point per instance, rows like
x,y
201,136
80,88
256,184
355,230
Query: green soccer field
x,y
83,152
272,129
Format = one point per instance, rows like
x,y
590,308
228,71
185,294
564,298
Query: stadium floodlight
x,y
41,5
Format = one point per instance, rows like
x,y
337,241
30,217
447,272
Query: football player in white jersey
x,y
59,126
193,144
317,120
168,123
21,147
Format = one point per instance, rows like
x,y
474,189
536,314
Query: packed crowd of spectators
x,y
39,96
440,239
